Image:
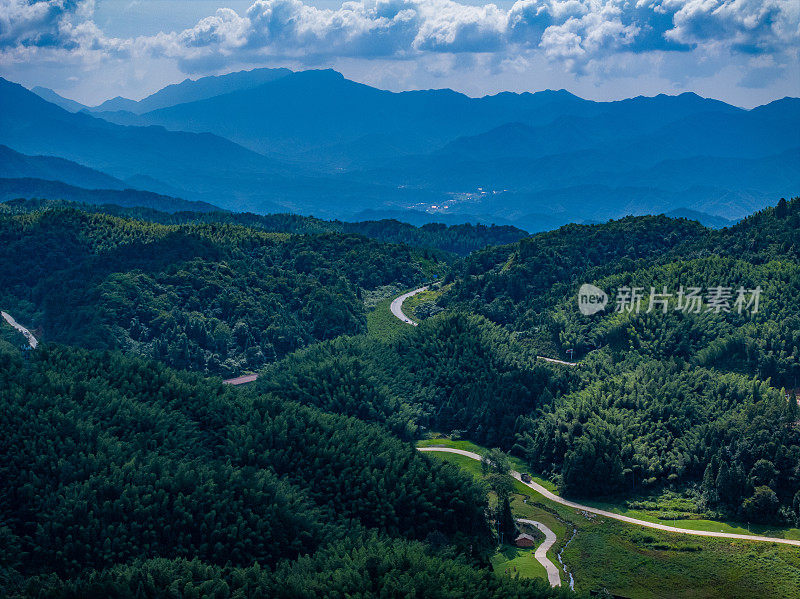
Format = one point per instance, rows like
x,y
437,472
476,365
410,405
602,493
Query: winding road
x,y
28,335
397,305
557,499
541,552
397,309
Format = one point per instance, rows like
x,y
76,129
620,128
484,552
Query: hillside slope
x,y
217,298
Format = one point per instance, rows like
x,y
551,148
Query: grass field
x,y
698,523
382,324
638,562
516,561
430,295
516,463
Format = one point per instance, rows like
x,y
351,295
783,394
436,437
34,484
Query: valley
x,y
456,370
287,334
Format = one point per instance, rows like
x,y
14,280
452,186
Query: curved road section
x,y
397,305
553,497
28,335
541,552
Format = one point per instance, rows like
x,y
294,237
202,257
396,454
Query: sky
x,y
745,52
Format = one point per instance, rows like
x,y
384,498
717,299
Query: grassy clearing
x,y
516,561
695,522
429,295
638,562
462,461
438,440
382,324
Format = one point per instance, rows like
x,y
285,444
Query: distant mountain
x,y
201,166
14,165
322,118
785,108
54,98
190,90
13,189
731,188
419,219
707,220
116,104
618,137
315,143
194,166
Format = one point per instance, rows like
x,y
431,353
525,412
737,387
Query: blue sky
x,y
741,51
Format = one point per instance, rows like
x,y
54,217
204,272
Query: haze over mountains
x,y
316,143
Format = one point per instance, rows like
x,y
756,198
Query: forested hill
x,y
679,399
126,479
216,298
668,363
457,239
515,285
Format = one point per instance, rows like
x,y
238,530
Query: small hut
x,y
525,540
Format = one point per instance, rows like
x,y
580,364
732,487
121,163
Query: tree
x,y
782,209
762,506
495,460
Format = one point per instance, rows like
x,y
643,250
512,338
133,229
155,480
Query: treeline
x,y
127,479
455,239
216,298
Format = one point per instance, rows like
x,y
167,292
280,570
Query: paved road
x,y
541,551
397,305
553,497
554,361
28,335
397,310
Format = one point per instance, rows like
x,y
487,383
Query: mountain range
x,y
314,142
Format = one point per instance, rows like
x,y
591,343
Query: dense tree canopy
x,y
215,298
456,239
671,396
126,477
110,460
666,400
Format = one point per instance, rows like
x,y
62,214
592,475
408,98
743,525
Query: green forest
x,y
131,470
705,401
214,298
460,239
125,478
706,397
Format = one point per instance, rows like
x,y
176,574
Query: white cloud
x,y
574,32
53,30
577,35
751,26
